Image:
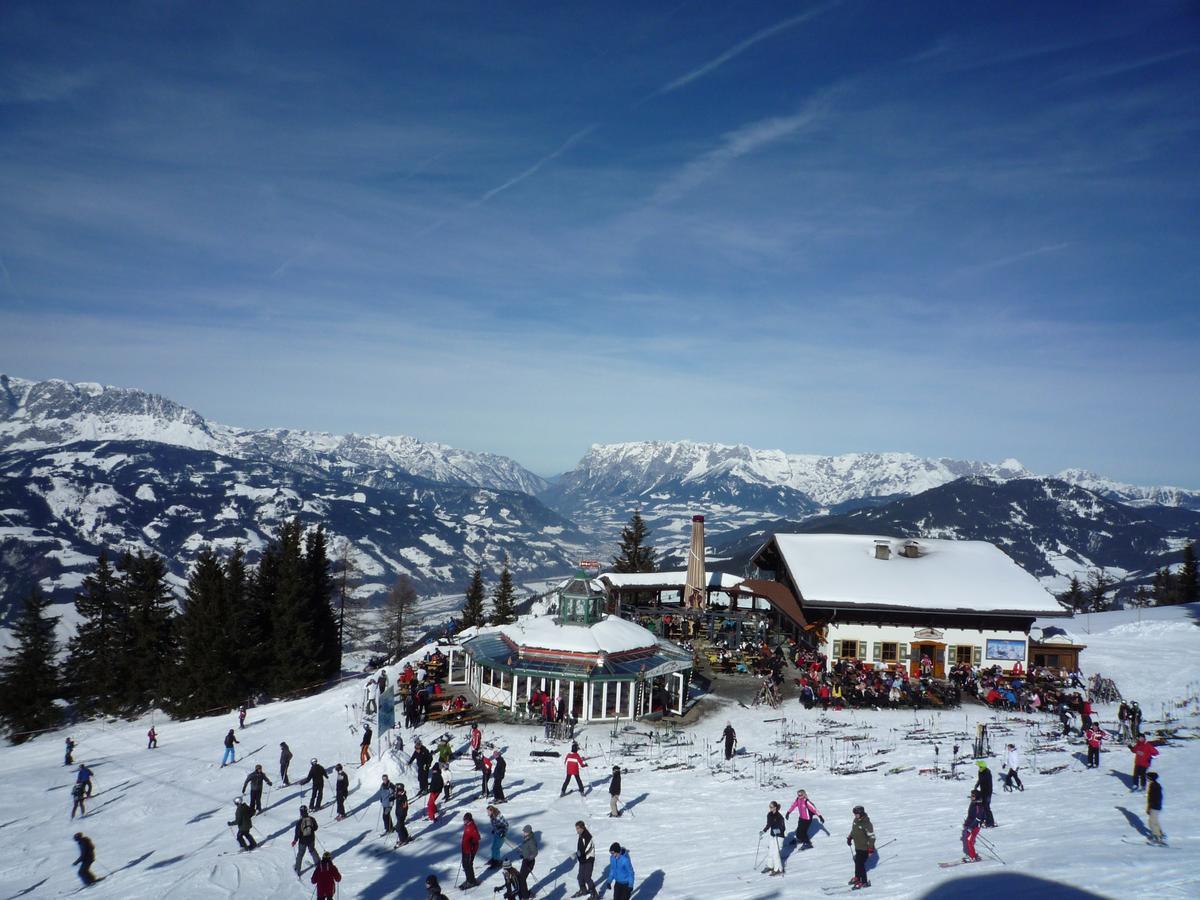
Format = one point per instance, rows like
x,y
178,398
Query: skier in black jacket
x,y
87,856
241,818
499,767
229,756
984,785
614,793
778,829
285,760
255,779
341,790
730,737
316,774
423,760
306,836
1154,802
402,835
585,852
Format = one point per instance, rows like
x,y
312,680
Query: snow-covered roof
x,y
673,579
960,576
1054,634
610,635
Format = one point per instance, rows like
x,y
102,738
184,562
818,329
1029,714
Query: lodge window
x,y
889,653
963,654
848,649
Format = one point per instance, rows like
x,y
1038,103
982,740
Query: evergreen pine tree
x,y
206,677
1098,586
296,653
472,611
1189,589
319,588
29,682
148,655
1164,587
504,600
92,671
1073,597
633,554
255,635
397,615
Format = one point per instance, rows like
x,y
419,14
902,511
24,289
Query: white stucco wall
x,y
906,635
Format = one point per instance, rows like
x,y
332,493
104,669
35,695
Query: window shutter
x,y
951,656
977,655
903,648
862,649
877,654
837,649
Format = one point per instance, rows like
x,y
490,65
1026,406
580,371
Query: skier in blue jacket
x,y
621,872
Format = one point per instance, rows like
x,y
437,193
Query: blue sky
x,y
954,229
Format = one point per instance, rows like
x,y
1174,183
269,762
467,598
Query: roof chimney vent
x,y
883,550
912,549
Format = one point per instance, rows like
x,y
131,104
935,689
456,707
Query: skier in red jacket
x,y
1143,754
326,876
470,846
574,764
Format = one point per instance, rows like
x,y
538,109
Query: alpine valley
x,y
84,466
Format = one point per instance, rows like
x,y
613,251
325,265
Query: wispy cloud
x,y
1124,68
742,46
1015,258
532,170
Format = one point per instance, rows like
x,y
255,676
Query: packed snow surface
x,y
158,816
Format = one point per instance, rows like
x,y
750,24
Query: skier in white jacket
x,y
1013,763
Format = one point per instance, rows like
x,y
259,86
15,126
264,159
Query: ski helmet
x,y
859,811
304,810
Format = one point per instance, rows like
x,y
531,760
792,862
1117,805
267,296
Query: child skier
x,y
971,825
806,812
1143,754
862,837
1094,735
326,876
1154,801
775,825
241,818
574,762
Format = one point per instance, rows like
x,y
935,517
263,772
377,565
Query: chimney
x,y
883,549
912,549
694,594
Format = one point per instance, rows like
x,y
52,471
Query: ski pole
x,y
757,850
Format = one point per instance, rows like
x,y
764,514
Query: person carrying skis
x,y
614,793
285,760
806,811
84,777
499,826
316,774
87,856
341,790
1154,801
387,797
620,871
529,852
255,779
326,877
730,737
1094,735
775,825
402,835
151,739
435,789
971,825
1143,754
574,762
499,767
364,749
77,800
423,759
68,752
983,784
241,818
470,846
1013,763
862,836
433,890
228,757
585,852
305,835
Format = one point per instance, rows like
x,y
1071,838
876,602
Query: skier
x,y
1013,762
730,737
614,793
470,846
775,825
255,779
512,882
402,835
983,784
971,825
499,766
476,738
84,776
87,856
341,790
620,871
228,757
1094,735
151,739
444,751
364,750
423,760
241,818
285,760
1123,732
1154,801
1143,754
316,774
1135,718
326,876
433,890
70,749
435,788
447,780
306,836
387,797
585,852
77,798
529,853
484,764
242,716
806,811
574,763
862,836
499,826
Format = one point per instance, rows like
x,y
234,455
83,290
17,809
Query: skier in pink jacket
x,y
806,812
